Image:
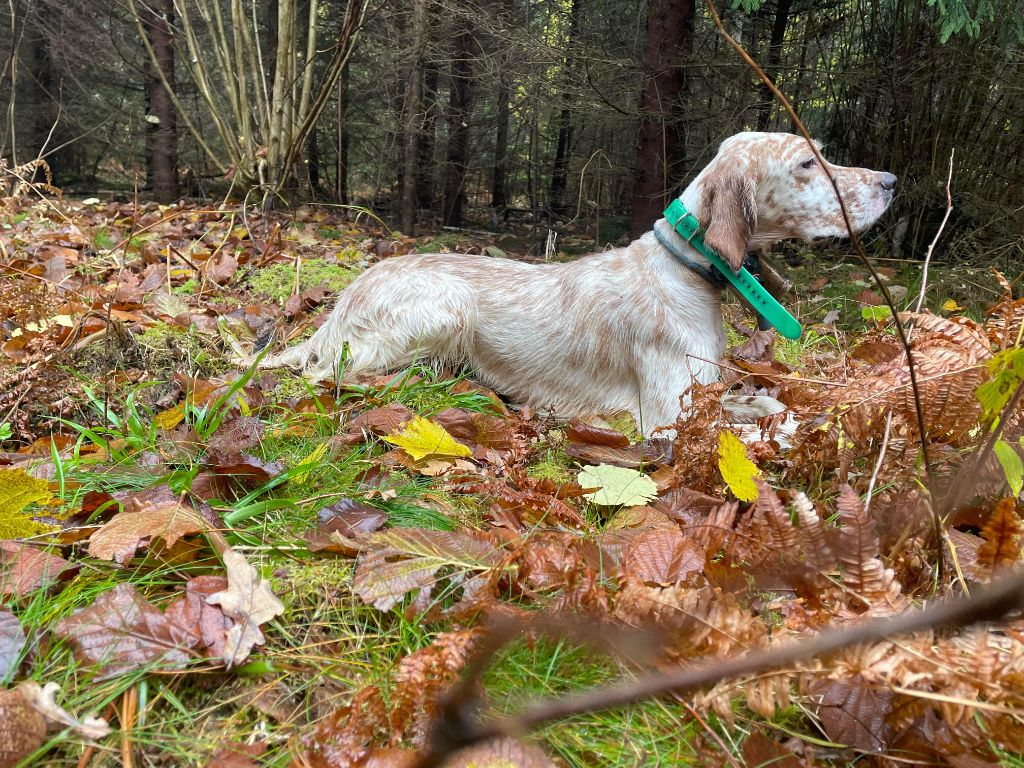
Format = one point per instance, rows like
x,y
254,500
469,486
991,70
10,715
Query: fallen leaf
x,y
421,438
580,432
22,728
25,568
501,753
12,640
238,755
663,557
18,489
121,631
616,486
761,751
853,712
171,417
401,560
127,532
250,602
383,420
43,700
737,470
340,523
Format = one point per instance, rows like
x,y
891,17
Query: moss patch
x,y
277,281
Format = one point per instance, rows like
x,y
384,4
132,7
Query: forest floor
x,y
232,567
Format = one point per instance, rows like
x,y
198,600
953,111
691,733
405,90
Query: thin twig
x,y
878,464
938,234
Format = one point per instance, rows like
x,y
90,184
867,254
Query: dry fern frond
x,y
701,622
813,542
846,423
695,449
857,548
1002,534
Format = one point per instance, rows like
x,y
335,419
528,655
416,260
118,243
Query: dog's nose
x,y
888,181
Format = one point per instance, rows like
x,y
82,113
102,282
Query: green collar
x,y
686,224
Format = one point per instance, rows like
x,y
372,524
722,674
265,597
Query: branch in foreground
x,y
455,727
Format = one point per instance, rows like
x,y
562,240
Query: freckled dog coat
x,y
627,329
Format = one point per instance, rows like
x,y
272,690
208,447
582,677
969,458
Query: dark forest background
x,y
590,112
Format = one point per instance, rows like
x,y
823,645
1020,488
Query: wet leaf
x,y
127,532
12,640
122,631
24,568
22,728
580,432
853,712
405,559
664,557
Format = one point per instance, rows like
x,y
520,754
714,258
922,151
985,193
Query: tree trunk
x,y
162,133
413,119
313,162
425,177
459,106
560,171
774,61
499,198
341,182
661,137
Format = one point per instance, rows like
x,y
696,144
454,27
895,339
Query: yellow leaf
x,y
737,470
17,490
308,461
421,438
950,305
170,418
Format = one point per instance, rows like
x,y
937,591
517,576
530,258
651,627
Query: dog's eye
x,y
808,163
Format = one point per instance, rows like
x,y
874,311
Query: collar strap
x,y
743,282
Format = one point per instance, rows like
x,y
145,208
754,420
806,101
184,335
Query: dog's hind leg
x,y
387,327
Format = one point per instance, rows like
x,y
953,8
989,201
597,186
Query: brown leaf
x,y
403,559
221,268
663,557
122,631
234,755
383,420
869,297
1002,534
24,568
341,739
12,640
580,432
761,751
759,347
250,602
242,466
817,284
633,456
238,434
853,712
340,523
192,616
127,532
22,728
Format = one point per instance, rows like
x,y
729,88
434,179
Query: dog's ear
x,y
728,213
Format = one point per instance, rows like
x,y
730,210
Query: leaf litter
x,y
415,502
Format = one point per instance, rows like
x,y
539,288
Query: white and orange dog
x,y
624,330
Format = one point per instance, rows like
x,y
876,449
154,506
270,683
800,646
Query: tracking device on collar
x,y
746,284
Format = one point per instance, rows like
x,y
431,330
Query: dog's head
x,y
765,187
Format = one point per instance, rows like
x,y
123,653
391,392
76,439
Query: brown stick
x,y
455,728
